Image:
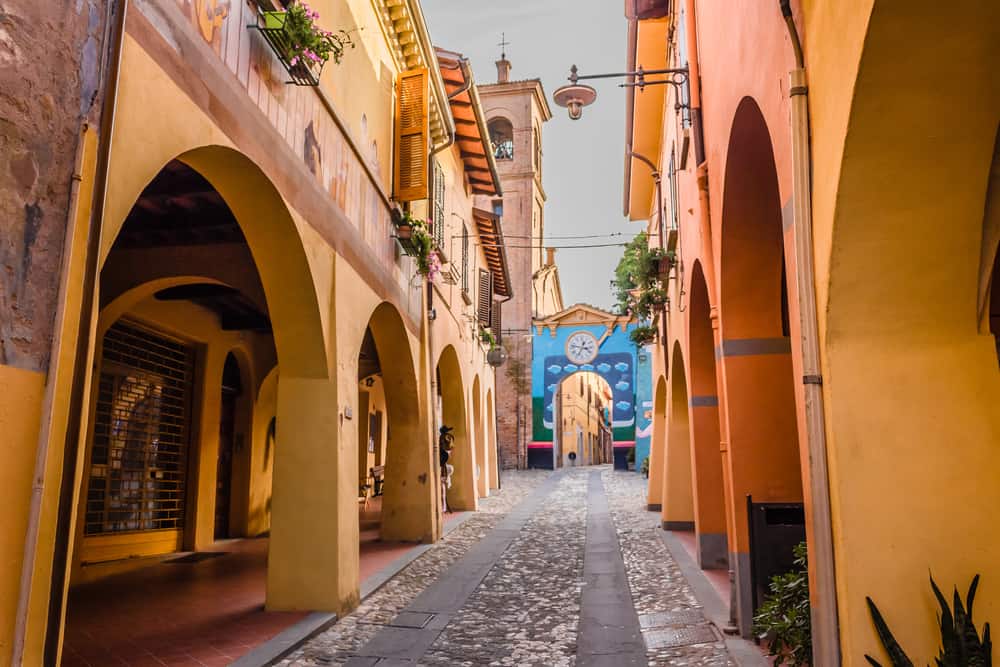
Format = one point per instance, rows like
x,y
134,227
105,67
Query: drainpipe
x,y
826,643
77,399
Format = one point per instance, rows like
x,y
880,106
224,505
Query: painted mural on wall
x,y
644,405
586,339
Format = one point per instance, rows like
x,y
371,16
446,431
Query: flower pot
x,y
404,232
665,264
273,20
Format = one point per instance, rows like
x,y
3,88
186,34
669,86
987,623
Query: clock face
x,y
581,348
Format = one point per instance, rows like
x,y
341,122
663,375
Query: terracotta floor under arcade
x,y
203,613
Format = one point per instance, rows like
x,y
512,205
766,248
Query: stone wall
x,y
51,57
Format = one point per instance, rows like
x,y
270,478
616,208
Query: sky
x,y
583,159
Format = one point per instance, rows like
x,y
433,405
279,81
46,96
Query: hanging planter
x,y
642,335
301,45
661,263
415,239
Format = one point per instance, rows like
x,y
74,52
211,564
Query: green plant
x,y
487,337
642,335
783,619
307,42
420,244
633,265
960,642
644,468
630,456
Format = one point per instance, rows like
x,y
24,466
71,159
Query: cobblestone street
x,y
537,577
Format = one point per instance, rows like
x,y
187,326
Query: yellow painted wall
x,y
20,407
910,382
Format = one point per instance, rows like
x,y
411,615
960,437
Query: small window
x,y
502,138
437,212
465,258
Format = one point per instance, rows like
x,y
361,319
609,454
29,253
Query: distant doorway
x,y
231,390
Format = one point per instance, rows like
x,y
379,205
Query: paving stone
x,y
524,607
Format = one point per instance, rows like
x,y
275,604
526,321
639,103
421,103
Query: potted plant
x,y
300,44
642,335
662,261
652,300
783,620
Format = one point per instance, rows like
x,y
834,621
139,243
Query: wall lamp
x,y
576,95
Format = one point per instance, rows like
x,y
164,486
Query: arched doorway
x,y
678,498
761,428
451,394
482,455
185,337
708,481
654,493
582,420
491,432
408,491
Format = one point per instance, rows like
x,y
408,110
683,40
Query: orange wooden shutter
x,y
411,135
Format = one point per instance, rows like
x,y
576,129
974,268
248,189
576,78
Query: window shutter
x,y
411,136
465,258
495,320
485,297
438,210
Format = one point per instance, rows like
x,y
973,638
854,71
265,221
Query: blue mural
x,y
572,348
644,402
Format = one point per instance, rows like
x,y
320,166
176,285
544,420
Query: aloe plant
x,y
961,645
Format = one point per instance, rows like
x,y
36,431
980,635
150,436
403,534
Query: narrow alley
x,y
564,568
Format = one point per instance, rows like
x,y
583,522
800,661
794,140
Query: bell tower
x,y
516,111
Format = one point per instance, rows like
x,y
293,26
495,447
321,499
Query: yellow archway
x,y
678,498
654,492
462,494
910,375
482,458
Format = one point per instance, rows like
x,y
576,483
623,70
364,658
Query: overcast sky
x,y
583,164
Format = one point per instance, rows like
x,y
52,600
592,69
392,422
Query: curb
x,y
291,637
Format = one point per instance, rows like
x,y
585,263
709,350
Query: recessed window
x,y
502,138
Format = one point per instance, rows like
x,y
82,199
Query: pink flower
x,y
294,61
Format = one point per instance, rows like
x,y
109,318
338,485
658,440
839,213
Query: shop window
x,y
138,463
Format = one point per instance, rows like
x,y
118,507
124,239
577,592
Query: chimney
x,y
551,257
503,69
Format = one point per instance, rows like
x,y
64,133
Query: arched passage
x,y
678,498
409,495
185,335
451,393
479,436
582,432
654,493
761,429
491,431
708,482
910,372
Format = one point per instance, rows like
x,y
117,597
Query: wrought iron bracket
x,y
673,76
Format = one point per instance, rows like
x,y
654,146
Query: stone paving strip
x,y
527,609
332,646
673,623
558,569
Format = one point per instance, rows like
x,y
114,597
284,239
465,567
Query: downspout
x,y
77,399
823,598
